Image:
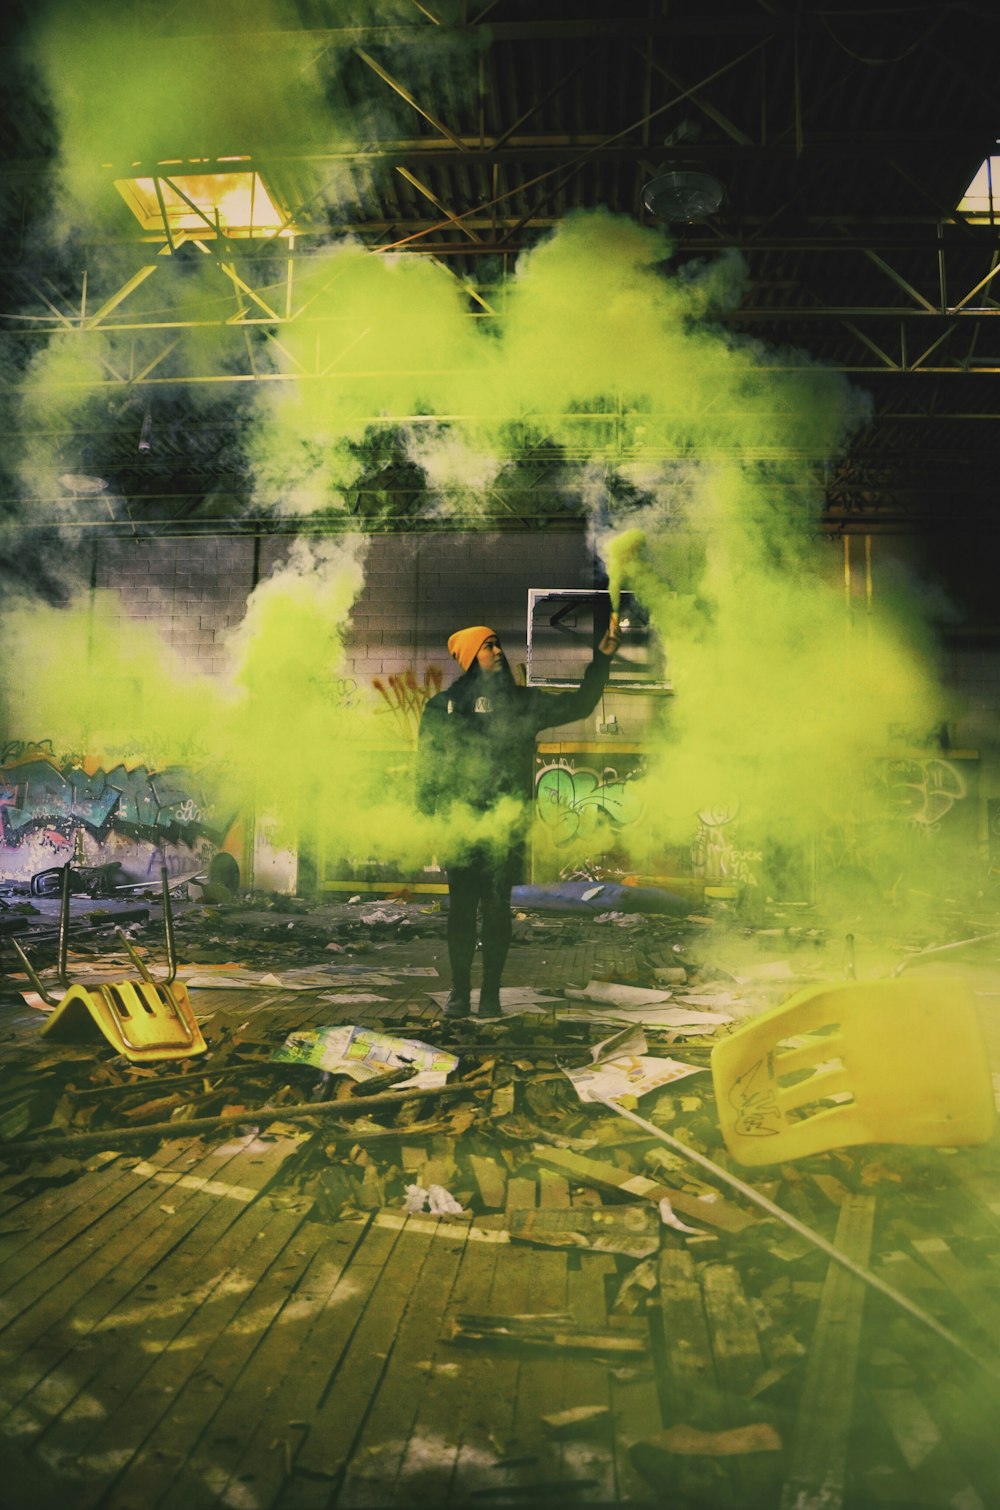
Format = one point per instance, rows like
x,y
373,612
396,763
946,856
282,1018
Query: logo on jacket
x,y
483,705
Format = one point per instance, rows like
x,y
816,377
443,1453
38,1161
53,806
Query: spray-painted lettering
x,y
405,697
578,801
924,789
38,795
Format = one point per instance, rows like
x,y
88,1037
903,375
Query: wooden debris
x,y
579,1418
546,1331
716,1213
630,1230
816,1473
734,1441
491,1182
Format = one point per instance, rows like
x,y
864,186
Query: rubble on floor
x,y
658,1335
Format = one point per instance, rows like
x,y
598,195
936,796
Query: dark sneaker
x,y
489,1004
457,1004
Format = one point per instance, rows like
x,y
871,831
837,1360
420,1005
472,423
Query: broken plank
x,y
818,1459
491,1181
521,1193
588,1171
692,1392
633,1231
735,1345
738,1365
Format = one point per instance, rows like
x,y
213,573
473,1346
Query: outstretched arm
x,y
566,707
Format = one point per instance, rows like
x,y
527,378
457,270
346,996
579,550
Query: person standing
x,y
476,746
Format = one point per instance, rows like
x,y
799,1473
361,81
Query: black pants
x,y
481,883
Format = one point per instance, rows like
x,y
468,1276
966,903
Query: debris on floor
x,y
502,1282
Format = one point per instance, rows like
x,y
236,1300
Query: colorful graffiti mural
x,y
577,801
38,793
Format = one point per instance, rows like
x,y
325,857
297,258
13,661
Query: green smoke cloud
x,y
597,350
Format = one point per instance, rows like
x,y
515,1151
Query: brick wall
x,y
417,590
190,590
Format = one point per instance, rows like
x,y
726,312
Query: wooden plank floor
x,y
182,1330
165,1344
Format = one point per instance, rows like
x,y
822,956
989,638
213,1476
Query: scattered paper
x,y
362,1053
669,1218
512,999
617,995
681,1019
354,998
621,1067
435,1199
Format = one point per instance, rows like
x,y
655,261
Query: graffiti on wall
x,y
716,854
577,801
38,794
922,789
405,697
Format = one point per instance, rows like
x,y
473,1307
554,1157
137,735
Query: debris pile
x,y
583,1122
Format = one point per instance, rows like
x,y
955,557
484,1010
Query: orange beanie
x,y
465,644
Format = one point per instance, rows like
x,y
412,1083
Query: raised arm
x,y
566,707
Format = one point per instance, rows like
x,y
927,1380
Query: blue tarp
x,y
599,896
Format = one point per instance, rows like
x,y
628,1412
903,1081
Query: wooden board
x,y
818,1457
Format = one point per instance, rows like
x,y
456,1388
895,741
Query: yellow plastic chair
x,y
890,1061
146,1020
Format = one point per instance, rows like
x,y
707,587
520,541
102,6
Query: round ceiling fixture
x,y
685,194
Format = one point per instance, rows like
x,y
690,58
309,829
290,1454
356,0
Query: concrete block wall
x,y
420,588
190,590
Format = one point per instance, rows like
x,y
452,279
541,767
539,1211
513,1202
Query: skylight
x,y
981,200
235,202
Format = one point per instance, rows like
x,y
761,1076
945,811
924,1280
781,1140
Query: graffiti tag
x,y
36,795
578,800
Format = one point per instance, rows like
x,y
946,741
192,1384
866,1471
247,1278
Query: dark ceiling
x,y
843,135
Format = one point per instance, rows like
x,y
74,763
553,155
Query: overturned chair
x,y
886,1061
147,1020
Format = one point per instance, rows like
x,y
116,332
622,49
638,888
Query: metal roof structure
x,y
843,138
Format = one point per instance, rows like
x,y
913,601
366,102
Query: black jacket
x,y
477,738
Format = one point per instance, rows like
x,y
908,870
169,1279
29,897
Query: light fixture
x,y
83,485
683,191
980,203
185,201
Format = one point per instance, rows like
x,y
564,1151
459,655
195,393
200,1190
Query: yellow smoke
x,y
622,554
596,351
